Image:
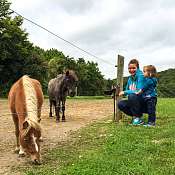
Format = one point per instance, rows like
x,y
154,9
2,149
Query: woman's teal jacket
x,y
134,83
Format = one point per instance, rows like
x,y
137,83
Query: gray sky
x,y
133,28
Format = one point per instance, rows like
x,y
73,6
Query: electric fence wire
x,y
61,39
11,113
87,52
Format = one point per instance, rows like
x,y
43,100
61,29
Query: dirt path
x,y
78,114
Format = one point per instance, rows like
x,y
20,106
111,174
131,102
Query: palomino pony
x,y
25,102
58,89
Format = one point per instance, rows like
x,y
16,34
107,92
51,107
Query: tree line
x,y
18,56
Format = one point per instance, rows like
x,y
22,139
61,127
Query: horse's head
x,y
70,82
30,141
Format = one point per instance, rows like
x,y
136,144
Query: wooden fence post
x,y
120,68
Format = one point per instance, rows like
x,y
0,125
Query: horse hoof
x,y
57,120
36,162
50,115
22,155
40,139
16,150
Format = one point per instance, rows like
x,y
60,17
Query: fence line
x,y
10,113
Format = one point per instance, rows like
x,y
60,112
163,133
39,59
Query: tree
x,y
4,9
91,81
17,55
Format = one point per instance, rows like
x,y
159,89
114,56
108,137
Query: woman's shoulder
x,y
139,74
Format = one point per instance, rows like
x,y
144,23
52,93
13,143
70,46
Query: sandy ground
x,y
78,114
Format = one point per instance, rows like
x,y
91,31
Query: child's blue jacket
x,y
149,87
134,83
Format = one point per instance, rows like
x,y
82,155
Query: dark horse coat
x,y
58,89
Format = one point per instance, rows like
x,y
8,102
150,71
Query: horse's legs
x,y
54,104
63,110
16,122
57,110
39,120
50,113
18,148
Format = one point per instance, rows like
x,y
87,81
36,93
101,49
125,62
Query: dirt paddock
x,y
78,114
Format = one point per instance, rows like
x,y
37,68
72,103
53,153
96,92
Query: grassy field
x,y
105,148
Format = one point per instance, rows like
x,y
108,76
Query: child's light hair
x,y
151,70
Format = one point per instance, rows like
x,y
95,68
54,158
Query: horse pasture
x,y
78,114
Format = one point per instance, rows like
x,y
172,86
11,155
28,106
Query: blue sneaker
x,y
137,121
150,124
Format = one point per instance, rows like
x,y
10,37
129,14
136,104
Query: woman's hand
x,y
121,93
138,92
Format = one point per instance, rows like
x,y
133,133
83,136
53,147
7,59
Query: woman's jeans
x,y
133,106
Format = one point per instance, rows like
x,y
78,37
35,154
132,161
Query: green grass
x,y
105,148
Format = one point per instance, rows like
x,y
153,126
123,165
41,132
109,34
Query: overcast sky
x,y
133,28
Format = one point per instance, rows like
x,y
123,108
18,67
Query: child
x,y
149,93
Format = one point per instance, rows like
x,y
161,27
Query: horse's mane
x,y
31,103
73,74
32,124
60,77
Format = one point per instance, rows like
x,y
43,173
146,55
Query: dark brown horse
x,y
58,89
25,102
